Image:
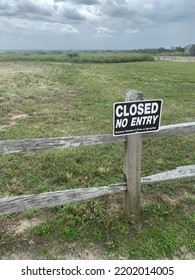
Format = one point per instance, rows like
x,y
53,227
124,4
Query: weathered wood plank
x,y
132,167
180,173
29,202
35,145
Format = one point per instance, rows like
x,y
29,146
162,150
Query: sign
x,y
136,117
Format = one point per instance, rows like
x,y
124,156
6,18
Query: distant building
x,y
190,50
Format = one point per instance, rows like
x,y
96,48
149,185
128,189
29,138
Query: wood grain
x,y
41,144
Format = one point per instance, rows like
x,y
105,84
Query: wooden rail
x,y
35,145
37,201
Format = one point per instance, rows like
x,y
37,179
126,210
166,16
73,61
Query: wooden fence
x,y
132,168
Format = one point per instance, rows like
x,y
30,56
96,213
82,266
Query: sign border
x,y
136,101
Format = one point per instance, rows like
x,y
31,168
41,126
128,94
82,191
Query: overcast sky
x,y
96,24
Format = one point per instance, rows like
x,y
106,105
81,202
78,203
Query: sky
x,y
96,24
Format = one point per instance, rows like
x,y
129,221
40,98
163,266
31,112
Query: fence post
x,y
132,167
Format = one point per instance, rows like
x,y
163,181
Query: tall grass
x,y
76,57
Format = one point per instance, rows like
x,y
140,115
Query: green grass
x,y
76,57
40,99
157,239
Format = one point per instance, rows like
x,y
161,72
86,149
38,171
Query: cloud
x,y
71,11
36,7
125,17
4,6
103,32
147,11
72,14
92,14
30,27
124,12
117,8
168,10
81,2
130,10
86,2
23,8
133,31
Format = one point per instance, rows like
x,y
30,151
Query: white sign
x,y
136,117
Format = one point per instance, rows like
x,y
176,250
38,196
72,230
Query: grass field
x,y
40,99
77,57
